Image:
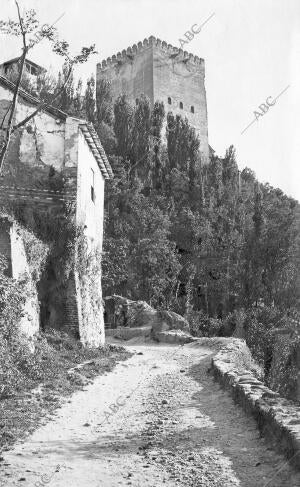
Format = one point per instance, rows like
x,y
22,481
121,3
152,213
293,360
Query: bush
x,y
202,325
260,326
233,324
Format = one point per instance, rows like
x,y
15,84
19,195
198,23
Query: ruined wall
x,y
34,148
160,72
30,321
70,300
12,248
5,246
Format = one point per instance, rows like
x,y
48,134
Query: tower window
x,y
169,101
93,186
181,105
192,109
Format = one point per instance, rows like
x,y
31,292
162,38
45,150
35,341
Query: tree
x,y
231,241
104,103
158,163
140,137
26,27
122,126
89,101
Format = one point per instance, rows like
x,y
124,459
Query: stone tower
x,y
163,73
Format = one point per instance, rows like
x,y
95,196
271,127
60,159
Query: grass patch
x,y
32,385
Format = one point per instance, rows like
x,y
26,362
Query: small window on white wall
x,y
93,186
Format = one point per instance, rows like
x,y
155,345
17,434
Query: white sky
x,y
251,50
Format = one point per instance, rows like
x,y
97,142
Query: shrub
x,y
202,325
233,324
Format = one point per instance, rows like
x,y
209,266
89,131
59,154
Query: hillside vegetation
x,y
209,242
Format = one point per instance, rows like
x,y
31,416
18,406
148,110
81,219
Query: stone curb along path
x,y
278,418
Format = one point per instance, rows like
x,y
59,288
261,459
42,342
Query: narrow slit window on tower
x,y
93,186
181,105
192,109
169,101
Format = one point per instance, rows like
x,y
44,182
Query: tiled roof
x,y
95,145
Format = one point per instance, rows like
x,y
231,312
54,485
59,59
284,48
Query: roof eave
x,y
95,145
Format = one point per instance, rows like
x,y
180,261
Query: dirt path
x,y
158,419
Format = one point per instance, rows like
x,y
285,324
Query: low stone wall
x,y
126,333
278,418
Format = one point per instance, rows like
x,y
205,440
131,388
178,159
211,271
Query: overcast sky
x,y
251,50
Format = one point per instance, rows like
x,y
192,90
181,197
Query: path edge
x,y
278,418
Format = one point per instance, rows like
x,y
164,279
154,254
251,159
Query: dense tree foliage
x,y
200,239
207,239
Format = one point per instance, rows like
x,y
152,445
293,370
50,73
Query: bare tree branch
x,y
5,115
21,26
44,104
9,128
60,47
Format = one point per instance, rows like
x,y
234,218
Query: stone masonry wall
x,y
33,149
12,248
54,144
30,321
277,418
5,244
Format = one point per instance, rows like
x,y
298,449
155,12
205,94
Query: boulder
x,y
168,320
126,333
175,336
121,312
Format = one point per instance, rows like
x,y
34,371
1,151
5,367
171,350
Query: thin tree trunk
x,y
9,129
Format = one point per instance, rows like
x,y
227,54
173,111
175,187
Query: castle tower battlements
x,y
163,73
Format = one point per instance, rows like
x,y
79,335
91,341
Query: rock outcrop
x,y
122,313
175,336
168,320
